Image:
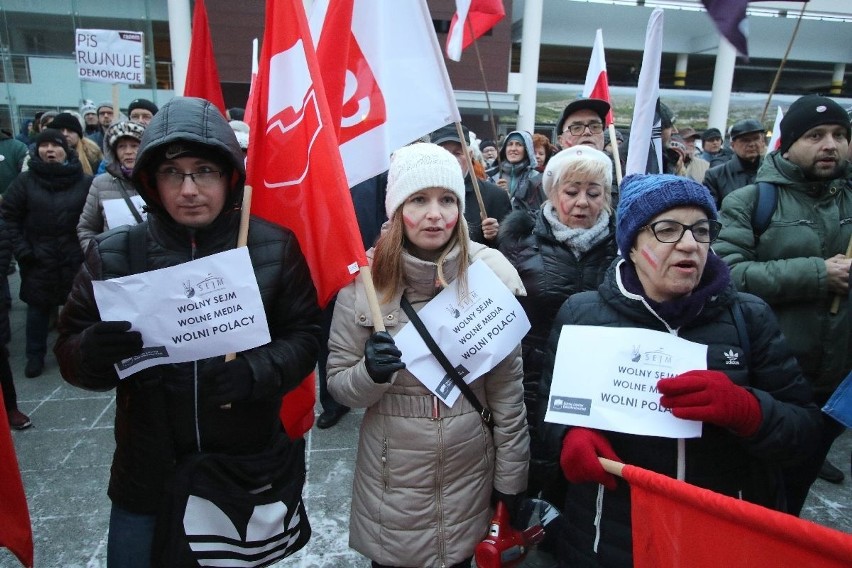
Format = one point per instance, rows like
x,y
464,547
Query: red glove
x,y
581,448
710,396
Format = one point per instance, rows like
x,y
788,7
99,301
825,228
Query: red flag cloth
x,y
678,524
294,164
297,408
368,68
472,19
16,533
597,82
202,76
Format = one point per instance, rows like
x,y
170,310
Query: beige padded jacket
x,y
422,484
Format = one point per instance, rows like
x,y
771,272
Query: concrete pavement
x,y
64,460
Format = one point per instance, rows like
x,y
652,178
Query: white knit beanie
x,y
561,160
421,166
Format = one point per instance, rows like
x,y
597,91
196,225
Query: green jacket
x,y
812,222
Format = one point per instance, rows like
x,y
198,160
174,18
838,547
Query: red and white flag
x,y
294,164
384,77
472,19
646,127
597,83
775,141
16,533
202,76
250,102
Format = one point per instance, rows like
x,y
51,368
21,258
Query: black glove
x,y
226,382
381,357
108,342
513,506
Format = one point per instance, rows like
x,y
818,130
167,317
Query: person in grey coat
x,y
122,146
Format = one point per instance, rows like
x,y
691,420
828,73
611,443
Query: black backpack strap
x,y
767,201
453,373
129,202
137,240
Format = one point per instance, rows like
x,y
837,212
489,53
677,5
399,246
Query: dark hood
x,y
193,120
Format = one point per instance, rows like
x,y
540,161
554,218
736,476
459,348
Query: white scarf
x,y
578,241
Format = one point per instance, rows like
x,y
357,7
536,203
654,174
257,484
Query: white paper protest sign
x,y
110,56
118,213
606,378
203,308
475,332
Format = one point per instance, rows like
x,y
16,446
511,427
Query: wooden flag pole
x,y
482,213
612,467
615,157
783,61
835,305
366,276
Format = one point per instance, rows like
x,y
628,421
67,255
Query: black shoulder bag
x,y
452,372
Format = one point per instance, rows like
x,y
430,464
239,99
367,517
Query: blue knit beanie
x,y
643,197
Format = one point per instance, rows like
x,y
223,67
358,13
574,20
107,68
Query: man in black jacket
x,y
748,141
495,199
190,172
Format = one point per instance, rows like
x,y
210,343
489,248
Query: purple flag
x,y
730,19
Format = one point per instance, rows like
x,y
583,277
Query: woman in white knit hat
x,y
426,475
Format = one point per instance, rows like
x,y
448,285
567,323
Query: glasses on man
x,y
203,178
704,231
578,128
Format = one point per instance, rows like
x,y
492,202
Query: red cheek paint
x,y
651,258
451,224
409,222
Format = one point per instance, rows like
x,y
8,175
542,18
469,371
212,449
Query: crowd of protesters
x,y
680,251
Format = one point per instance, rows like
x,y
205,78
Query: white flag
x,y
597,82
385,73
775,141
645,130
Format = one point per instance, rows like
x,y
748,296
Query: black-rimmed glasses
x,y
174,178
666,231
578,129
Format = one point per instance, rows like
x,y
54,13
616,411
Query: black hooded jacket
x,y
161,412
42,207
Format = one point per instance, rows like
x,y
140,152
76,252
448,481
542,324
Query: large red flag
x,y
294,163
678,524
371,54
597,82
472,19
16,533
202,76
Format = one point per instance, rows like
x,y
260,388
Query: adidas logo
x,y
732,358
271,534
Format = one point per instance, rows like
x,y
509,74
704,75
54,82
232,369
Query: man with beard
x,y
798,264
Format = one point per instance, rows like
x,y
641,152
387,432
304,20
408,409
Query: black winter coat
x,y
5,261
42,207
718,460
497,206
551,273
733,174
162,413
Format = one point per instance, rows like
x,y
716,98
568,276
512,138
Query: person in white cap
x,y
425,472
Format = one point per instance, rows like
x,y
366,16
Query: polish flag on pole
x,y
250,102
472,19
294,164
775,141
597,83
388,83
202,76
646,127
16,532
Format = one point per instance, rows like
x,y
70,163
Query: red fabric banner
x,y
16,533
472,19
677,524
294,164
297,408
202,76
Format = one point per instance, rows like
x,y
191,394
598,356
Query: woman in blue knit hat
x,y
752,399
